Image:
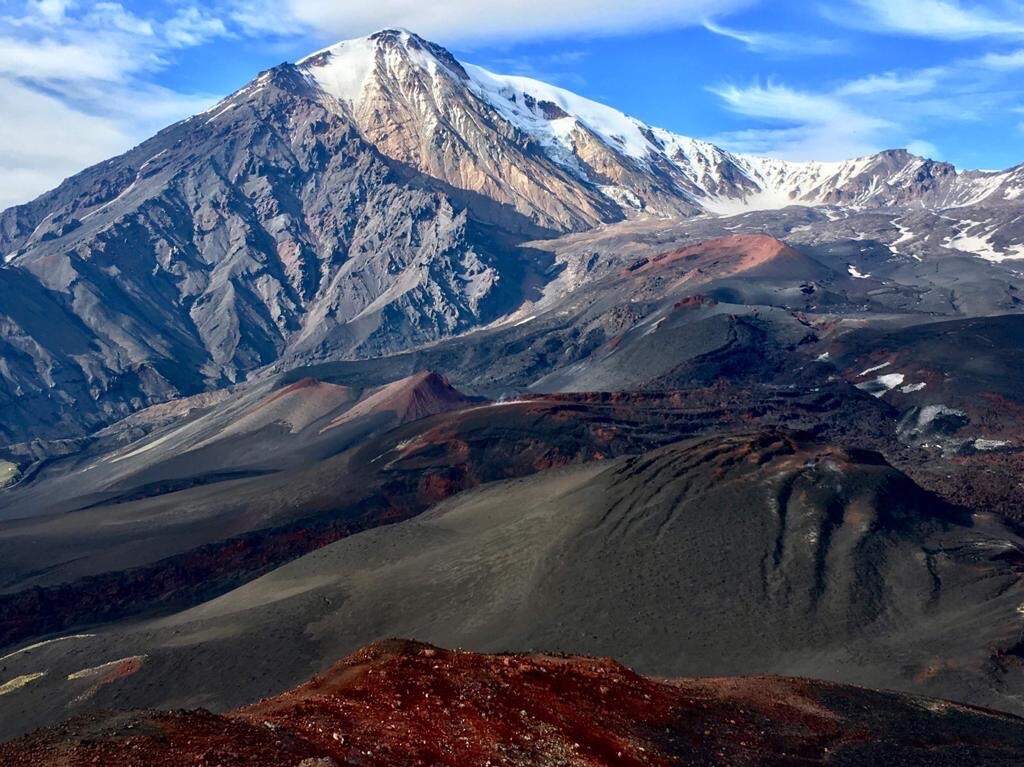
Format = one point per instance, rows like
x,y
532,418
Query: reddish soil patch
x,y
309,386
696,301
723,256
108,673
403,703
409,399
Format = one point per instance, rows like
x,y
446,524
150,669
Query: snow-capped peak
x,y
343,69
531,104
643,157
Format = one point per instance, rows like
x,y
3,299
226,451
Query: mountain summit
x,y
567,161
371,197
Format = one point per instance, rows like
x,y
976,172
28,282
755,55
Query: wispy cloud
x,y
938,19
775,42
191,26
809,125
466,22
873,112
75,87
557,67
922,148
894,83
37,149
1004,62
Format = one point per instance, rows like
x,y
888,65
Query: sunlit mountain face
x,y
388,344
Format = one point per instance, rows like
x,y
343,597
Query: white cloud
x,y
52,10
74,87
814,126
924,149
466,21
874,112
1003,62
49,59
190,27
558,67
47,140
778,102
773,42
939,19
105,17
893,83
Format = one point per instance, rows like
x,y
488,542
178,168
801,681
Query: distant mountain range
x,y
562,159
374,197
384,344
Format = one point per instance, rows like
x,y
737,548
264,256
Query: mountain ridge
x,y
608,148
764,178
375,196
379,707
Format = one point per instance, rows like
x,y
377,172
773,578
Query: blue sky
x,y
81,80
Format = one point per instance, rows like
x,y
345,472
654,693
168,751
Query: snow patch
x,y
343,69
37,645
890,380
930,412
20,681
975,237
989,444
553,116
882,384
228,108
144,448
855,272
653,328
107,204
622,196
906,235
974,190
873,369
147,162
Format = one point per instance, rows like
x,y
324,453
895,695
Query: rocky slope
x,y
746,554
655,310
267,227
371,198
381,705
109,538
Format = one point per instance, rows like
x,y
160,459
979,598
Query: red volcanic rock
x,y
401,703
409,399
695,301
751,254
108,673
308,386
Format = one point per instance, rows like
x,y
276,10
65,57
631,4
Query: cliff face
x,y
367,200
264,229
